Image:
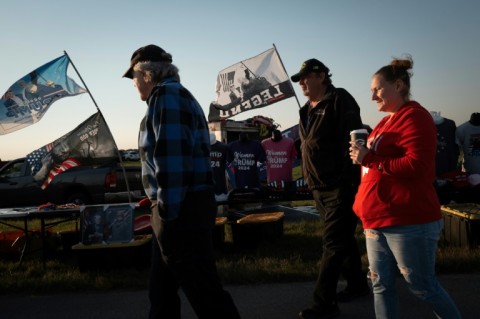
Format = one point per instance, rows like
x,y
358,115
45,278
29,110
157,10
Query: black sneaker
x,y
324,313
349,294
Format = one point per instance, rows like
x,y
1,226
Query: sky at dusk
x,y
353,38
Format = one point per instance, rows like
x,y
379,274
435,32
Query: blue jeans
x,y
409,249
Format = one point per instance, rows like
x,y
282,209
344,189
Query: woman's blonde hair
x,y
398,69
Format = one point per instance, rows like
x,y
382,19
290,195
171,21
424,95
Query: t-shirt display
x,y
446,158
245,156
280,155
218,160
468,137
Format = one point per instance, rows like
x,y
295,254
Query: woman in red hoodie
x,y
396,200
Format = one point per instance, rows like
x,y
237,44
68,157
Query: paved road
x,y
278,301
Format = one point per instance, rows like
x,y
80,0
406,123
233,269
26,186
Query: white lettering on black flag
x,y
250,84
89,143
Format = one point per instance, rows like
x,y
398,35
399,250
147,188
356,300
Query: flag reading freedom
x,y
89,143
250,84
27,100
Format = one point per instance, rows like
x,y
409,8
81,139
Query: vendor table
x,y
26,214
7,215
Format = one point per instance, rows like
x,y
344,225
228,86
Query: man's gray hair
x,y
156,71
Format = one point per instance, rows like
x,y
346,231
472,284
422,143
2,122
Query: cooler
x,y
462,224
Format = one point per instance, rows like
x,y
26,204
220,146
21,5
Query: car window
x,y
13,171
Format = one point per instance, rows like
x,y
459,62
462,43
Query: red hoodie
x,y
398,172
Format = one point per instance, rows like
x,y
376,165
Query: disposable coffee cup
x,y
359,136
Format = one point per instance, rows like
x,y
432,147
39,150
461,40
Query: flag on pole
x,y
27,100
250,84
89,143
57,169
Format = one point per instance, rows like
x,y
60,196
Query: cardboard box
x,y
462,224
252,229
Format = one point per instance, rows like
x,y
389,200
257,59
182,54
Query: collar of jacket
x,y
327,96
160,84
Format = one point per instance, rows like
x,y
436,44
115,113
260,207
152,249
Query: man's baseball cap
x,y
312,65
150,53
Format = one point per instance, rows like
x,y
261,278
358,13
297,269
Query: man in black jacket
x,y
326,120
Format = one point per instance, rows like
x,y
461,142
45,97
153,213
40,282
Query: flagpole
x,y
101,114
283,66
81,79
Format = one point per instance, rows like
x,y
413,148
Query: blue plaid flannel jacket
x,y
174,145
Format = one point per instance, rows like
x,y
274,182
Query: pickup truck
x,y
79,185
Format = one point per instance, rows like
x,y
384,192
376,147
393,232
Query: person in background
x,y
396,199
325,124
174,146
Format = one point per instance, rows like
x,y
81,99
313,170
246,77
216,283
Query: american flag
x,y
34,159
90,142
227,80
67,164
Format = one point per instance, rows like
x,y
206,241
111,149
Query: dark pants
x,y
340,250
186,260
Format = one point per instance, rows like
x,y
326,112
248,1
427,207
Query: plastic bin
x,y
462,224
11,243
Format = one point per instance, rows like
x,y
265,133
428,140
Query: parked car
x,y
80,185
131,155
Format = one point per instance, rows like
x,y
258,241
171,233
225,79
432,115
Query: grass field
x,y
292,257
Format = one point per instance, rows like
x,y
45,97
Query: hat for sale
x,y
312,65
150,53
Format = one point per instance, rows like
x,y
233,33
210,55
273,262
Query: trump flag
x,y
27,100
89,143
250,84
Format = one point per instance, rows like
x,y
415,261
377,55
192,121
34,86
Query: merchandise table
x,y
26,214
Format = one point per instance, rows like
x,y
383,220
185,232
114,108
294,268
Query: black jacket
x,y
325,135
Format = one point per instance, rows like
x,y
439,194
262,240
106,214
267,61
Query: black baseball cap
x,y
150,53
312,65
